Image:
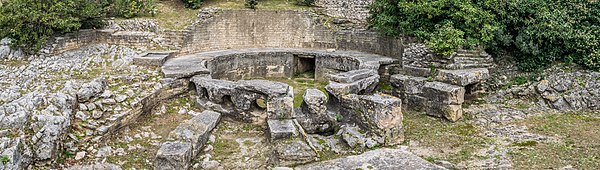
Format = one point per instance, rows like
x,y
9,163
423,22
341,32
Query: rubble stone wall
x,y
351,9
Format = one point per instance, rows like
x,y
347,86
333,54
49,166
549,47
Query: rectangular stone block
x,y
416,71
280,107
463,77
352,76
451,112
442,93
196,130
366,85
415,102
381,114
173,156
281,129
408,84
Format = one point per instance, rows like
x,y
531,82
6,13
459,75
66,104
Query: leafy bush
x,y
194,4
251,4
29,23
305,2
132,8
445,25
535,32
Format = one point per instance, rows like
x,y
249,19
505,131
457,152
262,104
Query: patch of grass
x,y
173,15
251,127
14,63
520,80
580,81
385,86
262,4
525,143
301,83
223,147
522,106
248,143
460,139
579,144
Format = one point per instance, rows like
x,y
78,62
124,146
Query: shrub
x,y
132,8
194,4
251,4
445,25
29,23
535,32
305,2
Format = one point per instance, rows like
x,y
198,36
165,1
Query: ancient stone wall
x,y
238,29
351,9
217,29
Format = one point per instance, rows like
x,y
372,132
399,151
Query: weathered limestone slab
x,y
173,156
280,107
269,88
293,153
415,71
442,93
314,101
380,114
365,85
313,115
196,130
185,66
463,77
385,159
214,89
91,89
153,58
281,129
352,76
415,102
408,84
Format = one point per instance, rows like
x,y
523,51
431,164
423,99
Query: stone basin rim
x,y
186,66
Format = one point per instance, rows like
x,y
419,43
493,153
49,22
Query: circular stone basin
x,y
217,71
271,63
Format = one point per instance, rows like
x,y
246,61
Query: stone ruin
x,y
227,72
349,100
349,106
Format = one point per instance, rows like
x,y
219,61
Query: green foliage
x,y
445,25
339,117
305,2
194,4
539,32
535,32
30,23
5,159
251,4
132,8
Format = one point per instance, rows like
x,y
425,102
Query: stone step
x,y
468,60
462,77
468,66
186,141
